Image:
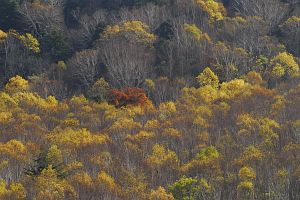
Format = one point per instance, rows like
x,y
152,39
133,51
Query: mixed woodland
x,y
149,100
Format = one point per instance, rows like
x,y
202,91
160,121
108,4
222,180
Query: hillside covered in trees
x,y
149,100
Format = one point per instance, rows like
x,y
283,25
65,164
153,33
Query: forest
x,y
149,100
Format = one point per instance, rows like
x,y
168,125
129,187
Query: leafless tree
x,y
272,11
129,64
88,26
82,68
17,59
291,34
43,17
189,52
152,15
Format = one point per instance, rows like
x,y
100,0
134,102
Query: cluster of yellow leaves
x,y
54,155
196,33
234,88
172,132
82,178
15,191
246,186
251,154
215,10
30,42
3,35
167,109
49,186
61,65
32,100
254,78
150,84
74,139
5,117
290,21
106,182
160,194
13,149
16,84
138,28
247,175
284,64
141,137
208,77
269,130
162,157
125,124
207,158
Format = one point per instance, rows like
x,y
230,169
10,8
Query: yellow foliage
x,y
152,124
30,42
3,190
282,173
106,181
251,154
150,84
254,78
14,149
78,100
14,191
71,122
196,33
141,137
51,100
204,185
125,124
32,100
3,35
168,107
215,10
16,84
207,158
246,121
82,179
245,186
138,28
234,88
247,174
172,132
268,129
17,191
293,19
278,71
203,114
208,77
73,166
49,186
279,104
75,139
207,94
6,101
162,157
284,63
160,194
54,155
61,65
5,117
